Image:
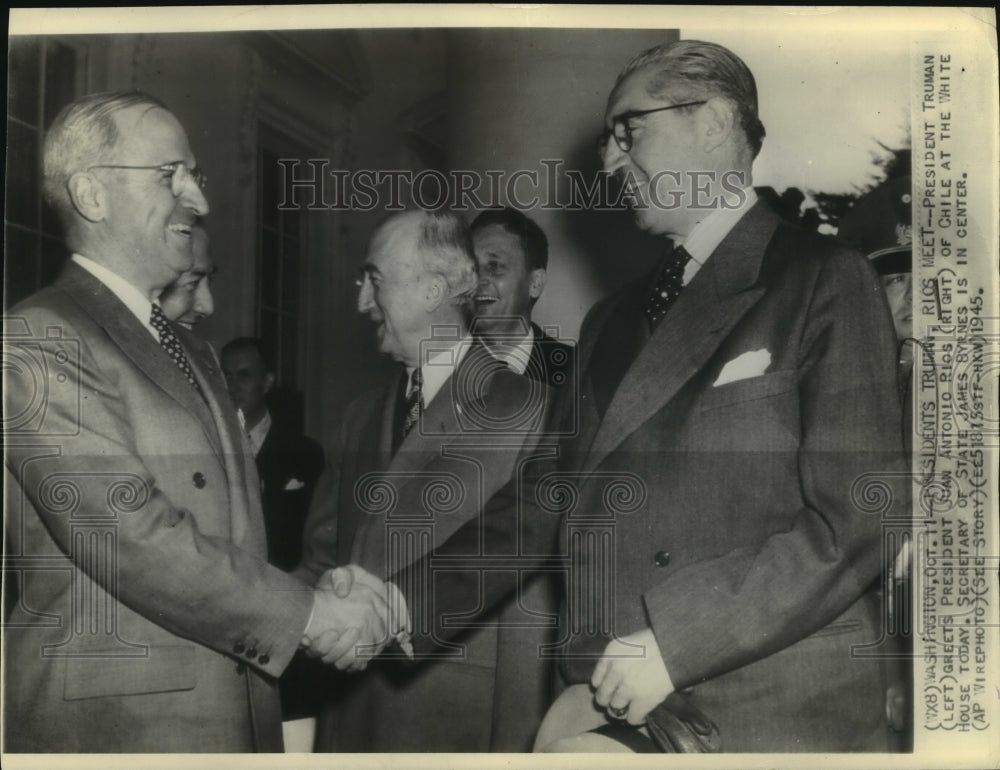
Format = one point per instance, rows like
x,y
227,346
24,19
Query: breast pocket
x,y
750,389
758,415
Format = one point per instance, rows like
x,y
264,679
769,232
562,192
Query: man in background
x,y
512,253
188,300
880,226
288,464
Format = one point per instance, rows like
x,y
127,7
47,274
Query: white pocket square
x,y
293,485
753,363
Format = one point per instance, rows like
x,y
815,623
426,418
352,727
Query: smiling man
x,y
450,414
748,381
188,300
512,253
130,502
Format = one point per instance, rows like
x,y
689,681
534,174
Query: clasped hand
x,y
354,616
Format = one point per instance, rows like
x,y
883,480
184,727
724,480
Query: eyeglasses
x,y
622,131
178,172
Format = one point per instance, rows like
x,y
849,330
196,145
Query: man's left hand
x,y
631,677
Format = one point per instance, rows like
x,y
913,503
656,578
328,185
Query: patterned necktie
x,y
414,401
171,344
667,286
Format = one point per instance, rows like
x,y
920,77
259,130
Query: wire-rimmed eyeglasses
x,y
177,171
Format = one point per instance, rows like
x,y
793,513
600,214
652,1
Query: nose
x,y
193,198
366,298
612,156
204,303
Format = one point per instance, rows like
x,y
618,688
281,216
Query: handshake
x,y
354,616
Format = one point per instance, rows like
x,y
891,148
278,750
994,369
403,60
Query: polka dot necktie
x,y
414,401
171,344
668,284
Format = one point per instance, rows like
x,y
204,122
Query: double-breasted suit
x,y
753,416
149,619
386,511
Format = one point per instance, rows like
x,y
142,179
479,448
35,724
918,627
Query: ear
x,y
268,382
88,195
435,291
537,283
718,122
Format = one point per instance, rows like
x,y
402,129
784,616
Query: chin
x,y
646,222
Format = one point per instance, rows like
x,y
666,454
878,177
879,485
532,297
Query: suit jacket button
x,y
662,559
264,659
238,648
241,668
199,480
252,653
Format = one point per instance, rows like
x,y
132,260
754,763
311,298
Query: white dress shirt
x,y
517,356
705,237
438,367
258,433
137,302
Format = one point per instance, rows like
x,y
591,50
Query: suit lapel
x,y
241,471
439,428
701,318
98,301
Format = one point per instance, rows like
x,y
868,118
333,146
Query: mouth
x,y
486,299
180,228
631,194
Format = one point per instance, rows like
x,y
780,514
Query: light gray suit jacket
x,y
148,619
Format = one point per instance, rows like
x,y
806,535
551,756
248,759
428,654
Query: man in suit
x,y
748,381
880,226
288,462
417,460
188,300
513,256
148,618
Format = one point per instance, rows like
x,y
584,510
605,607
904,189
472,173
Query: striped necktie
x,y
171,344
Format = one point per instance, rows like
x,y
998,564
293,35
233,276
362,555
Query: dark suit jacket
x,y
150,620
752,555
551,361
289,465
733,519
384,512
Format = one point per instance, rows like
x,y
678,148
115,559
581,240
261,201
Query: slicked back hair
x,y
688,70
534,244
246,344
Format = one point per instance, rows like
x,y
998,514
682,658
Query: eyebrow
x,y
369,269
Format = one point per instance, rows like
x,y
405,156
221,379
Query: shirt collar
x,y
439,366
137,302
706,236
258,433
516,357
